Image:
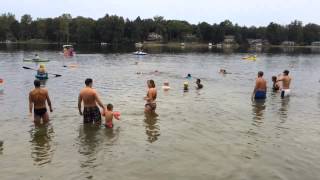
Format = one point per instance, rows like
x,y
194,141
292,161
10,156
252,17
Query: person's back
x,y
91,112
261,84
88,96
37,101
39,96
286,80
260,88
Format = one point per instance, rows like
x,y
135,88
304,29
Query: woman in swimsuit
x,y
151,97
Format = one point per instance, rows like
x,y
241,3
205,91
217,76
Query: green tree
x,y
295,32
311,33
275,33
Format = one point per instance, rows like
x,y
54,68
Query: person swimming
x,y
260,89
166,86
189,76
185,86
41,70
36,56
275,85
199,85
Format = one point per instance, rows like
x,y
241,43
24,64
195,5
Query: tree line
x,y
116,29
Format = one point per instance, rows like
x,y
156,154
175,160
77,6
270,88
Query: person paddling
x,y
37,101
89,96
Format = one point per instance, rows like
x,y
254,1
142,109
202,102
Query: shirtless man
x,y
260,89
37,100
91,112
151,97
286,80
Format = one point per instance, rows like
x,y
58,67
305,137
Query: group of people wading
x,y
88,96
260,89
91,101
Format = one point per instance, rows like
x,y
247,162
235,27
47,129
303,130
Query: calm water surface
x,y
213,133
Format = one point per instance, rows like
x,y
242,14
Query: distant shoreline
x,y
161,44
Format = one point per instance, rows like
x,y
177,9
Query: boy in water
x,y
109,114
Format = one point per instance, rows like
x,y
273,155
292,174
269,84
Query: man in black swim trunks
x,y
37,100
89,96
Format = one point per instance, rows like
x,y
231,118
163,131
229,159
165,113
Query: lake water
x,y
213,133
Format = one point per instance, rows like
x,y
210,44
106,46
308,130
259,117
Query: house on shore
x,y
288,43
229,41
316,43
255,42
154,37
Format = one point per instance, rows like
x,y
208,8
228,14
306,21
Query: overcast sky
x,y
243,12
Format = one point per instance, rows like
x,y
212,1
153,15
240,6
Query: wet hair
x,y
260,73
88,81
189,75
37,83
274,78
198,81
151,83
286,72
110,107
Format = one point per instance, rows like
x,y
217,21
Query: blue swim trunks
x,y
260,95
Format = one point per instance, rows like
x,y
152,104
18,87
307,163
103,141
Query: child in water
x,y
109,114
275,86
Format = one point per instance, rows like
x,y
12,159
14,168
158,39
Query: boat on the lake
x,y
68,50
140,53
36,60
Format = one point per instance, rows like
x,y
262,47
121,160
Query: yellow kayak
x,y
252,58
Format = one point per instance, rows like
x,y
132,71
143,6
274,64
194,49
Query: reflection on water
x,y
283,110
152,128
41,144
1,147
258,108
89,143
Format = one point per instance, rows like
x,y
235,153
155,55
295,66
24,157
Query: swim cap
x,y
42,66
186,83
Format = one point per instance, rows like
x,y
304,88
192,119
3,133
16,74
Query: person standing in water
x,y
37,101
151,97
260,89
199,85
89,96
286,81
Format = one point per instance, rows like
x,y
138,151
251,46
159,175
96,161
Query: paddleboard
x,y
36,60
